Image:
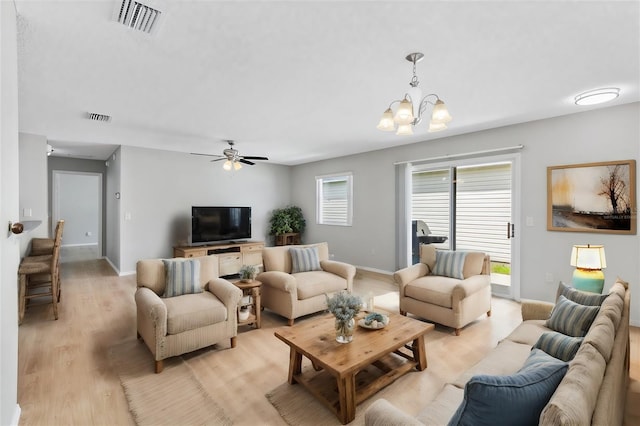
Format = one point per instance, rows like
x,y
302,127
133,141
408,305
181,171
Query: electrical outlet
x,y
548,277
88,233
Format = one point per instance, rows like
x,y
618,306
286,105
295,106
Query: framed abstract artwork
x,y
592,197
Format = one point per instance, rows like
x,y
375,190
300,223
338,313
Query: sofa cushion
x,y
428,256
528,332
571,318
304,259
601,335
473,263
506,358
192,311
517,399
315,283
612,308
182,277
581,297
449,264
574,401
559,345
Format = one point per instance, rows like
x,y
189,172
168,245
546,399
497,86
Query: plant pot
x,y
344,330
243,314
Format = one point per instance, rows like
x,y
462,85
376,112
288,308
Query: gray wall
x,y
599,135
111,238
79,204
33,185
9,244
159,187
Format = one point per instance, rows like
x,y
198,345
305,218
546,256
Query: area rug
x,y
173,397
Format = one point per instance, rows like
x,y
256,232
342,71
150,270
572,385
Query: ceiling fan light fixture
x,y
227,165
237,165
597,96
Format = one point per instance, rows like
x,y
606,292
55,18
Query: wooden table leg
x,y
258,308
419,353
295,365
347,394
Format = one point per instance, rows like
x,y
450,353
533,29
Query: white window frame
x,y
320,180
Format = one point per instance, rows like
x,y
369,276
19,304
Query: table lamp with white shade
x,y
589,261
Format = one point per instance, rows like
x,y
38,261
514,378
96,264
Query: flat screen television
x,y
215,224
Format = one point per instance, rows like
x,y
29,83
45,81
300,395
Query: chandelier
x,y
411,108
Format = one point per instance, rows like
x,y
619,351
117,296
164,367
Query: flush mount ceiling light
x,y
411,108
597,96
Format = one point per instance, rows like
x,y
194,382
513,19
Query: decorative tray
x,y
374,321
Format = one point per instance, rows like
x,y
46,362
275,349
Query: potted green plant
x,y
287,220
344,306
248,273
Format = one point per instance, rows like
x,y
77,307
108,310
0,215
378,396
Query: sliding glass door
x,y
468,206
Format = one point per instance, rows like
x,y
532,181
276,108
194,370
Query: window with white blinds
x,y
334,199
482,206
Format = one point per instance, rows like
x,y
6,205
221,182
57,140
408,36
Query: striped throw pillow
x,y
182,277
449,264
304,259
558,345
581,297
571,318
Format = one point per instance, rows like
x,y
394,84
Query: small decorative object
x,y
243,313
248,273
589,261
344,306
374,321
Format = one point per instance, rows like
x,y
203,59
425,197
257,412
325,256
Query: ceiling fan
x,y
233,157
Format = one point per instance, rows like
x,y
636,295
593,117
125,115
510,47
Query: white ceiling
x,y
308,80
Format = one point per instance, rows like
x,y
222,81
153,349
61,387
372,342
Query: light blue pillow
x,y
571,318
511,400
449,264
559,345
182,277
304,259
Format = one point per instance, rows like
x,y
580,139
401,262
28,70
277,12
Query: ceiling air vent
x,y
137,15
98,117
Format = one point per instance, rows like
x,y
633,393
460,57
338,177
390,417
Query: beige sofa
x,y
593,391
294,295
448,301
176,325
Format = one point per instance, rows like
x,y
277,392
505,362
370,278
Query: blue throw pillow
x,y
511,400
558,345
449,264
581,297
570,318
304,259
182,277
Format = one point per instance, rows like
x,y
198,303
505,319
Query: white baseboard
x,y
377,271
16,416
634,323
116,270
80,245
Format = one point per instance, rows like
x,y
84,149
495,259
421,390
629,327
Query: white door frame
x,y
55,200
514,158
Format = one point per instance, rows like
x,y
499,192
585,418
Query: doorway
x,y
77,198
470,205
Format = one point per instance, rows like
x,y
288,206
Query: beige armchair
x,y
173,326
453,302
293,295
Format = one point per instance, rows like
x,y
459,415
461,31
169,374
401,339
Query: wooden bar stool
x,y
39,276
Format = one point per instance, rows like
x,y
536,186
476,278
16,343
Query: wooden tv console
x,y
231,257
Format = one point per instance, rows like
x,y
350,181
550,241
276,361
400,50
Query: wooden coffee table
x,y
394,350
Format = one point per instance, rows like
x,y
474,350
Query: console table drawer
x,y
229,264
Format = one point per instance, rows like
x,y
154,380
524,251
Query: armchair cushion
x,y
571,318
435,290
304,259
315,283
182,277
192,311
449,264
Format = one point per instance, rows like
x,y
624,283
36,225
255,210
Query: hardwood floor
x,y
64,376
